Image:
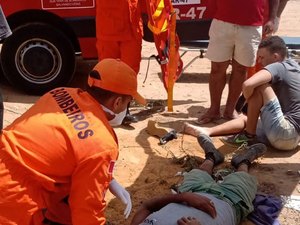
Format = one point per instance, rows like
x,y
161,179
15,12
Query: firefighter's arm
x,y
90,182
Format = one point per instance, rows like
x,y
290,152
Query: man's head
x,y
271,49
114,84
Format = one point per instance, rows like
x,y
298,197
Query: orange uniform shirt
x,y
118,20
62,146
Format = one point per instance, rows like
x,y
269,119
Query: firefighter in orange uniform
x,y
57,159
119,31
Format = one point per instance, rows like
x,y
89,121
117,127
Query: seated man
x,y
202,199
273,95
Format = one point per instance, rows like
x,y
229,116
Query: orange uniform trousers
x,y
128,51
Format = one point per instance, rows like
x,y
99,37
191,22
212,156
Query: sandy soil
x,y
148,169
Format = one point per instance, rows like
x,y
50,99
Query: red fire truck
x,y
48,34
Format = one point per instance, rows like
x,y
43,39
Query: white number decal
x,y
191,13
177,11
202,10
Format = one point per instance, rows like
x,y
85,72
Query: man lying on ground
x,y
203,201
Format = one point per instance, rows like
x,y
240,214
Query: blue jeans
x,y
274,129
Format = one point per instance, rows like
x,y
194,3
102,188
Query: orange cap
x,y
117,77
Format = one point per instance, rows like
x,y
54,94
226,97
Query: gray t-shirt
x,y
172,212
286,85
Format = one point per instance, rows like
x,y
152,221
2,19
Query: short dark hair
x,y
274,44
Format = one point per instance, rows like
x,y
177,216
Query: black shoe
x,y
250,153
128,119
210,150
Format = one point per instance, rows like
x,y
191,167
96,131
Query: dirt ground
x,y
148,169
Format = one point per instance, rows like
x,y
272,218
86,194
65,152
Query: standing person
x,y
273,95
57,159
235,33
203,201
119,31
252,70
4,33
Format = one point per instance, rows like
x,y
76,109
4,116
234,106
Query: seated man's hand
x,y
200,202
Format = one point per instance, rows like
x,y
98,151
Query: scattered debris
x,y
188,162
168,137
155,130
267,188
292,201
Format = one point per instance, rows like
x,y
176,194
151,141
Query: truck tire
x,y
37,58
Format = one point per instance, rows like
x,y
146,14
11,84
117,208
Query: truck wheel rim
x,y
38,61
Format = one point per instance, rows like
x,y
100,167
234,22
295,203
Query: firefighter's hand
x,y
117,190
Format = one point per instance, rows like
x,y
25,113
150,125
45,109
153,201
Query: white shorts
x,y
230,41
